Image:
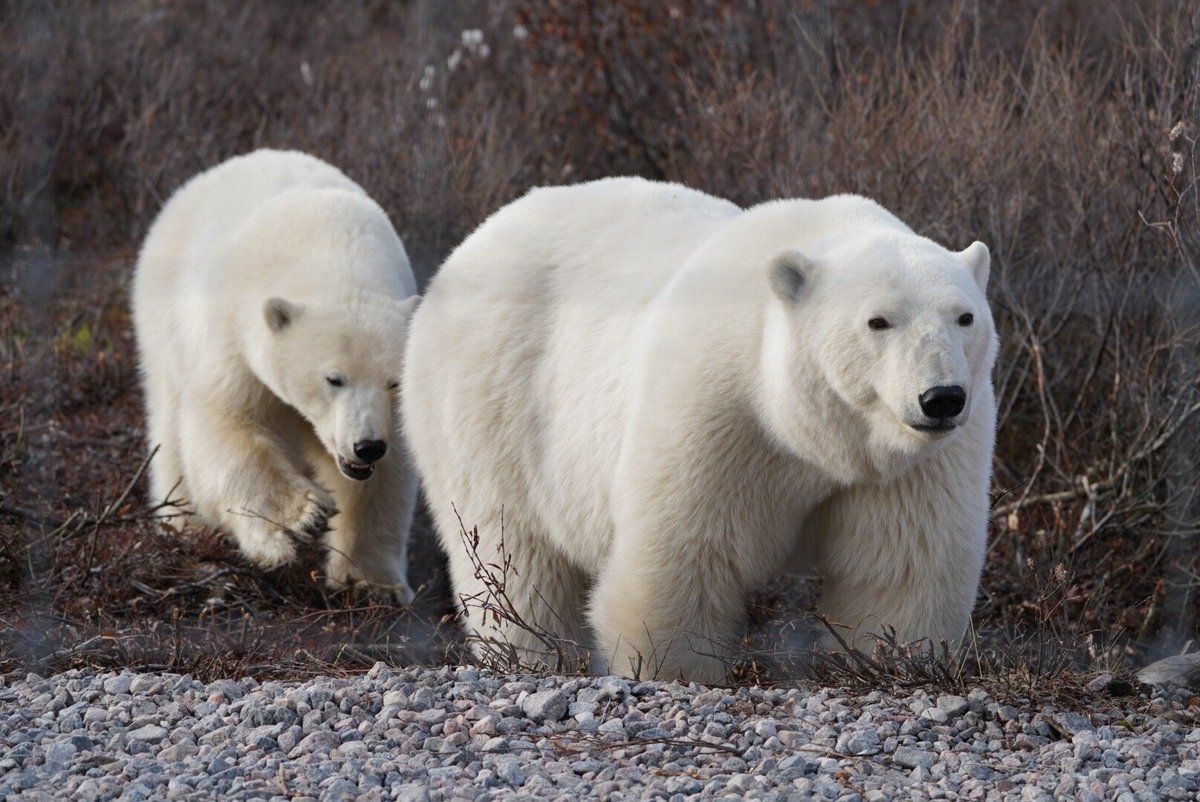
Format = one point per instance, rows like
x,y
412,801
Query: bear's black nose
x,y
370,450
943,402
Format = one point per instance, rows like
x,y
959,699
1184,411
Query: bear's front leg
x,y
670,601
368,542
659,615
244,481
702,514
906,555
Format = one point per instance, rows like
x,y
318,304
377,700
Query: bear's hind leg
x,y
168,491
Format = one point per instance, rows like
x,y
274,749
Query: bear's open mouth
x,y
355,471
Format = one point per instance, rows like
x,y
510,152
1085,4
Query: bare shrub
x,y
495,606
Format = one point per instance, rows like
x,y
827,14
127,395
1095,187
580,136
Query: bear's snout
x,y
943,402
370,450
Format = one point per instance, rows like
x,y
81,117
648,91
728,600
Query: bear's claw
x,y
401,595
314,518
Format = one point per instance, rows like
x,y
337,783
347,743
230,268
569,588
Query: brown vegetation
x,y
1063,135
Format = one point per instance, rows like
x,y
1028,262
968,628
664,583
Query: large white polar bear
x,y
665,398
271,302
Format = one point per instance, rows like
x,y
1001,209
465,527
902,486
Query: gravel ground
x,y
465,734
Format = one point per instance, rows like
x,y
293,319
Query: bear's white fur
x,y
271,301
659,399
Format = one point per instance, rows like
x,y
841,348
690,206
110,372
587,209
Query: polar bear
x,y
652,400
270,301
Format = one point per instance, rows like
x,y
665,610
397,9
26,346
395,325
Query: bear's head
x,y
898,327
338,365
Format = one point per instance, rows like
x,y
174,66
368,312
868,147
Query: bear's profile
x,y
659,399
271,300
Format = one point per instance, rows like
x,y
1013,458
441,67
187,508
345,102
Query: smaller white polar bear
x,y
661,400
271,300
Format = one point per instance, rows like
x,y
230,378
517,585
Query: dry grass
x,y
1063,136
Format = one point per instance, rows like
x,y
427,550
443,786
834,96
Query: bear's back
x,y
619,238
523,344
206,212
320,244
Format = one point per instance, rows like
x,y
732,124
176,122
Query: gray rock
x,y
765,728
953,706
118,684
545,706
509,771
613,727
444,775
860,742
935,714
319,741
412,792
60,752
1181,670
177,752
395,698
145,683
911,757
431,716
796,763
151,733
1007,713
257,715
338,790
1072,723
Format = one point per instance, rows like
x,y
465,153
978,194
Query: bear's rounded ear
x,y
280,313
791,274
979,259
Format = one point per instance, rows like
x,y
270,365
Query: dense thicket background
x,y
1063,134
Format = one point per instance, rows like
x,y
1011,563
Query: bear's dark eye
x,y
393,385
878,324
335,381
966,319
